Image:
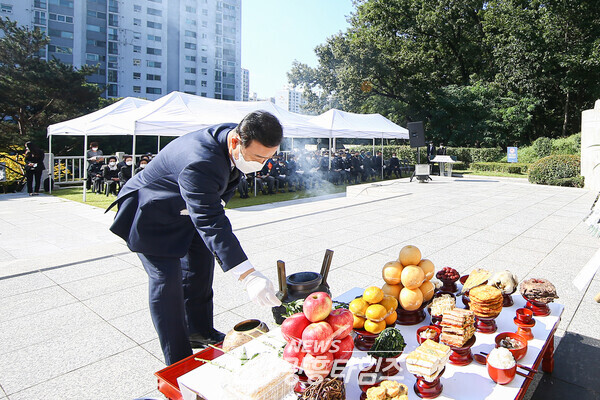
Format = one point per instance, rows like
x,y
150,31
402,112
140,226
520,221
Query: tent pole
x,y
382,164
373,146
158,144
50,164
292,145
133,155
85,166
329,153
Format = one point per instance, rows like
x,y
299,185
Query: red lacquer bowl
x,y
519,353
502,376
420,340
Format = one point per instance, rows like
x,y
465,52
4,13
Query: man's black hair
x,y
112,158
261,126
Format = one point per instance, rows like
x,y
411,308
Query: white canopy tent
x,y
95,123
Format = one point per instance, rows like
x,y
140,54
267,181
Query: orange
x,y
376,312
374,327
412,277
359,322
391,319
392,290
428,268
391,272
358,307
428,290
373,295
411,299
410,255
389,302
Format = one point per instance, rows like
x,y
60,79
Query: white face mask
x,y
128,162
94,149
143,165
112,163
247,167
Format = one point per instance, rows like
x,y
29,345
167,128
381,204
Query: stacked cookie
x,y
428,360
458,326
486,301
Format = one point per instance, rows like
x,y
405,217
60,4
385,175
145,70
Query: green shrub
x,y
568,145
542,147
571,182
527,155
509,168
555,169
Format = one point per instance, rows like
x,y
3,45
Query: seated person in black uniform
x,y
394,167
264,179
356,167
368,170
338,170
377,163
95,174
110,173
280,173
125,170
243,185
294,178
143,163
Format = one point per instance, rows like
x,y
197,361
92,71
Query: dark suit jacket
x,y
192,175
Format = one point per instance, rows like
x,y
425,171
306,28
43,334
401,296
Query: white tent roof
x,y
361,126
97,123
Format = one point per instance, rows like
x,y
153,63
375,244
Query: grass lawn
x,y
488,173
100,200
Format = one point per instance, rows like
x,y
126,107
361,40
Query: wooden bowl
x,y
519,353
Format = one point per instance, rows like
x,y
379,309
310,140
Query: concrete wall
x,y
590,147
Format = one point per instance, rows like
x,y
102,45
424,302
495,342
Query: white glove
x,y
260,290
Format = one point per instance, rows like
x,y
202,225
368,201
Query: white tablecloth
x,y
464,383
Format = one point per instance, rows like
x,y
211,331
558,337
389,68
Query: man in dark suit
x,y
172,215
430,151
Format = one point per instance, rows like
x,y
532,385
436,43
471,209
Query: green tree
x,y
35,93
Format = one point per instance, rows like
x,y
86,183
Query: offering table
x,y
460,382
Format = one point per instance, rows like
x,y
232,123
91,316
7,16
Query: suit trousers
x,y
181,297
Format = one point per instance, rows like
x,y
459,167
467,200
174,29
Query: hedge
x,y
509,168
467,155
560,170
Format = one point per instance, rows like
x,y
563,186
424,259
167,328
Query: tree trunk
x,y
566,116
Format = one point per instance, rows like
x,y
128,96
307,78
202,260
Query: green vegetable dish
x,y
389,343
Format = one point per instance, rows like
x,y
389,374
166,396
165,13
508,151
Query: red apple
x,y
341,321
317,338
294,354
342,348
293,326
317,367
317,306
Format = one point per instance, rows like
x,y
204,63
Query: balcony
x,y
40,4
39,21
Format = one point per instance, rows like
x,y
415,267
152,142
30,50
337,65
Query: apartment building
x,y
245,85
290,99
144,48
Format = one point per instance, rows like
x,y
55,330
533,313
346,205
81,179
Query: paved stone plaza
x,y
74,316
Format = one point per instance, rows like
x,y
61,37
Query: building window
x,y
217,95
151,77
191,82
112,48
203,94
190,58
153,11
62,3
153,90
189,45
113,20
154,64
204,36
137,75
92,57
190,9
60,49
39,3
152,50
204,12
154,38
60,34
190,34
137,35
190,70
137,22
137,62
137,89
228,86
137,49
204,71
205,24
137,8
191,22
95,28
112,75
154,25
204,59
97,43
61,18
93,14
6,8
113,90
217,86
203,83
113,62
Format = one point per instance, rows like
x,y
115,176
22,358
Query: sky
x,y
277,32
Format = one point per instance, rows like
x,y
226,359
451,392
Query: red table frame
x,y
167,377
